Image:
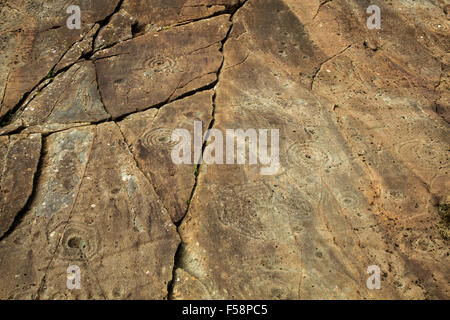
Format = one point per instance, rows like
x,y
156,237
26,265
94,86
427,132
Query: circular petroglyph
x,y
160,64
243,208
78,241
425,156
304,155
441,182
159,137
348,200
437,25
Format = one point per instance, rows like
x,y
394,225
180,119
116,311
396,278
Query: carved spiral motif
x,y
349,200
160,138
438,26
160,64
306,156
78,241
426,156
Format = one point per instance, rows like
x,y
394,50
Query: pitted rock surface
x,y
86,149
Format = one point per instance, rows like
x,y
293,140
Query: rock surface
x,y
164,66
149,135
34,38
88,177
19,155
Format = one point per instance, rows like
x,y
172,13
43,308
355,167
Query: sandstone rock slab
x,y
34,38
120,237
342,200
164,67
71,98
149,134
19,155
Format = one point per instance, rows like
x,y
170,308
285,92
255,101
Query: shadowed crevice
x,y
179,256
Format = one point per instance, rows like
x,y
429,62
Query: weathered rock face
x,y
164,66
118,29
152,15
149,134
109,222
364,161
74,96
357,118
19,156
33,39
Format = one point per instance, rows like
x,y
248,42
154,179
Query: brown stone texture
x,y
86,149
164,66
118,29
19,156
153,15
109,222
74,98
149,135
33,39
